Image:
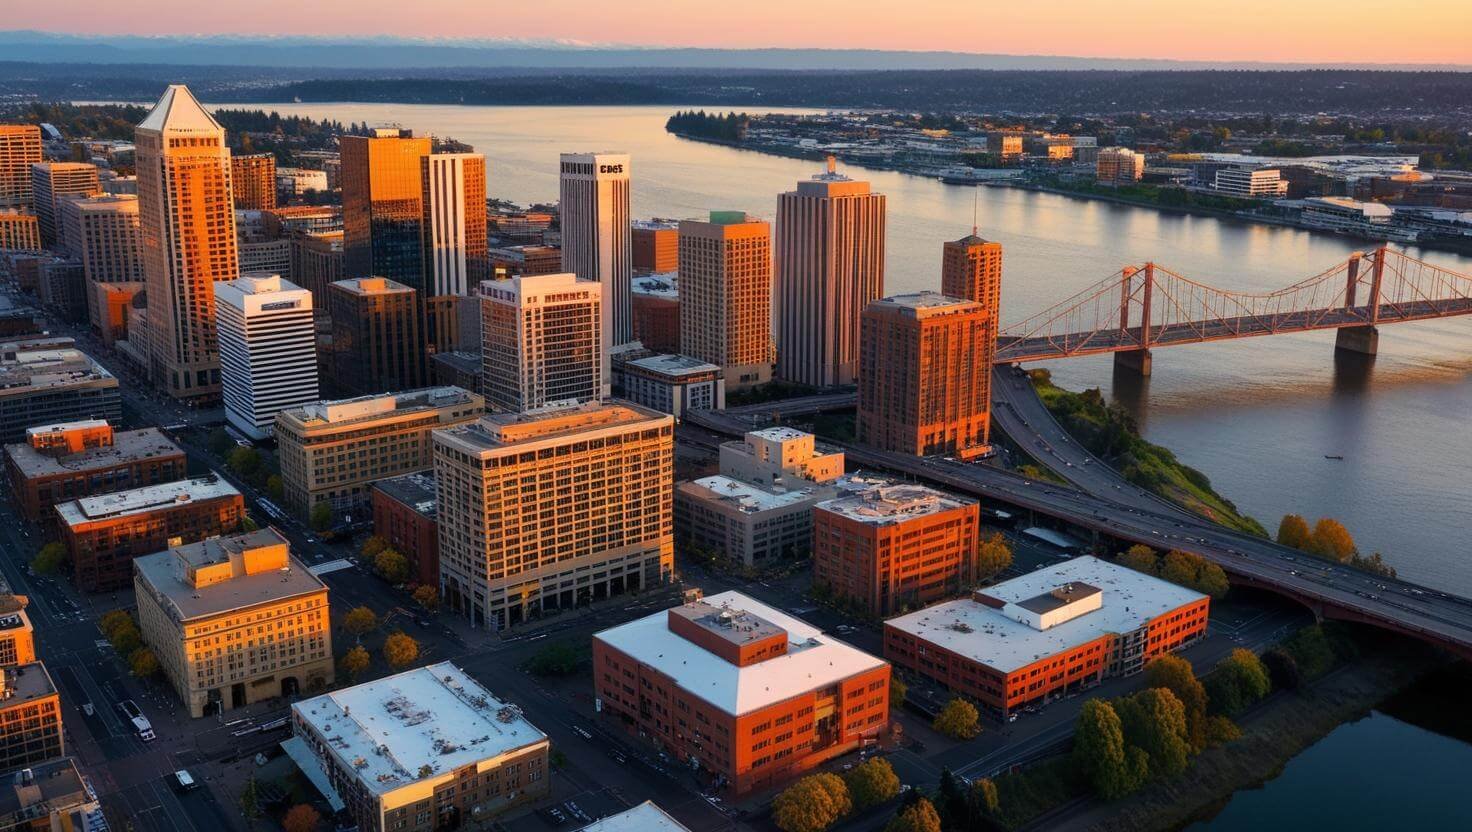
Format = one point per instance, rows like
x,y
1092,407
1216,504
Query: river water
x,y
1258,416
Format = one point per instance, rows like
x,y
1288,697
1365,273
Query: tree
x,y
1154,721
250,800
1332,541
560,659
1293,532
921,817
993,557
958,720
1140,558
112,620
1099,750
220,442
127,639
427,597
301,818
321,517
143,663
871,783
244,461
49,559
400,650
391,566
812,804
1239,680
359,621
984,799
274,488
898,690
373,545
1175,674
354,662
951,801
1283,669
1221,730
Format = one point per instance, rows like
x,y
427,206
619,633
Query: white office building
x,y
268,356
541,341
452,241
1250,183
674,384
597,242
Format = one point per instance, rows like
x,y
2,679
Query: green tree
x,y
919,817
219,442
1175,674
1282,669
321,517
373,545
400,650
1332,541
391,566
244,461
984,799
359,621
812,804
143,663
560,659
49,559
127,639
1220,730
1238,681
427,596
1293,531
898,690
993,556
871,782
1140,558
250,800
354,662
1154,721
958,720
112,620
1099,750
274,488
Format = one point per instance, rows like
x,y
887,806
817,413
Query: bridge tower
x,y
1362,338
1137,361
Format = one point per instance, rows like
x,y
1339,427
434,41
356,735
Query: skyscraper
x,y
455,254
376,346
103,232
268,350
20,147
971,268
541,341
383,206
253,181
52,182
596,236
726,295
830,265
924,381
188,222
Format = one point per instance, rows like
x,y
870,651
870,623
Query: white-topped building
x,y
268,350
597,241
425,749
646,817
772,455
674,384
541,341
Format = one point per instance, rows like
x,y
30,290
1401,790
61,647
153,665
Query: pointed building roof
x,y
178,110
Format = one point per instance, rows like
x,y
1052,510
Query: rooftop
x,y
913,305
496,431
779,434
893,503
127,446
646,817
414,490
179,110
148,498
656,225
813,660
371,286
674,365
364,408
750,498
990,636
465,362
436,717
54,786
661,285
24,683
46,362
167,573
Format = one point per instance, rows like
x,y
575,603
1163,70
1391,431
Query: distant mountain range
x,y
502,56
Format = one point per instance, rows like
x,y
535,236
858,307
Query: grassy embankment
x,y
1110,433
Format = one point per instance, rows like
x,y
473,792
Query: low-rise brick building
x,y
30,717
404,514
63,462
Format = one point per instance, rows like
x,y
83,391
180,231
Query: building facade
x,y
971,268
780,455
111,307
726,295
103,233
656,246
596,234
187,218
20,147
541,341
895,546
404,514
19,230
45,380
455,253
674,384
30,717
1119,166
63,462
740,690
553,509
17,636
1251,183
376,343
268,350
383,206
253,181
830,265
656,309
54,182
747,524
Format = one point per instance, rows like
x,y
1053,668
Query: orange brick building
x,y
924,379
894,546
62,462
656,246
744,692
104,533
30,717
17,636
404,514
1048,633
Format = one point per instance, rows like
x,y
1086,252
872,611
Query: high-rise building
x,y
19,230
103,233
830,265
924,381
971,268
383,206
20,147
253,181
656,245
1119,166
316,263
894,546
741,690
269,256
541,341
726,295
456,258
188,223
61,462
189,595
376,346
553,509
596,234
268,350
656,308
333,451
47,381
52,182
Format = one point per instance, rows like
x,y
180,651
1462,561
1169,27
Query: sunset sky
x,y
1360,31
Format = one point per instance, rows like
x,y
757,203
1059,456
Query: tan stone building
x,y
20,147
19,231
30,717
103,233
726,295
553,509
333,451
234,620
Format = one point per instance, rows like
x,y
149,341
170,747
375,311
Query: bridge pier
x,y
1364,340
1135,361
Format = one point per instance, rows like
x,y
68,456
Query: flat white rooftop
x,y
813,659
779,434
751,498
661,284
893,503
436,716
674,366
646,817
148,498
988,636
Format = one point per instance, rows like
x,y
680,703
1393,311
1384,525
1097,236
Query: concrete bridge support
x,y
1135,361
1364,340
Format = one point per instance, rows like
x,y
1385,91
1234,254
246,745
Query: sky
x,y
1357,31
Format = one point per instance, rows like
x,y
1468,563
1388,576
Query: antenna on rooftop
x,y
975,204
832,164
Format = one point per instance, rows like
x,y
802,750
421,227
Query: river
x,y
1258,416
